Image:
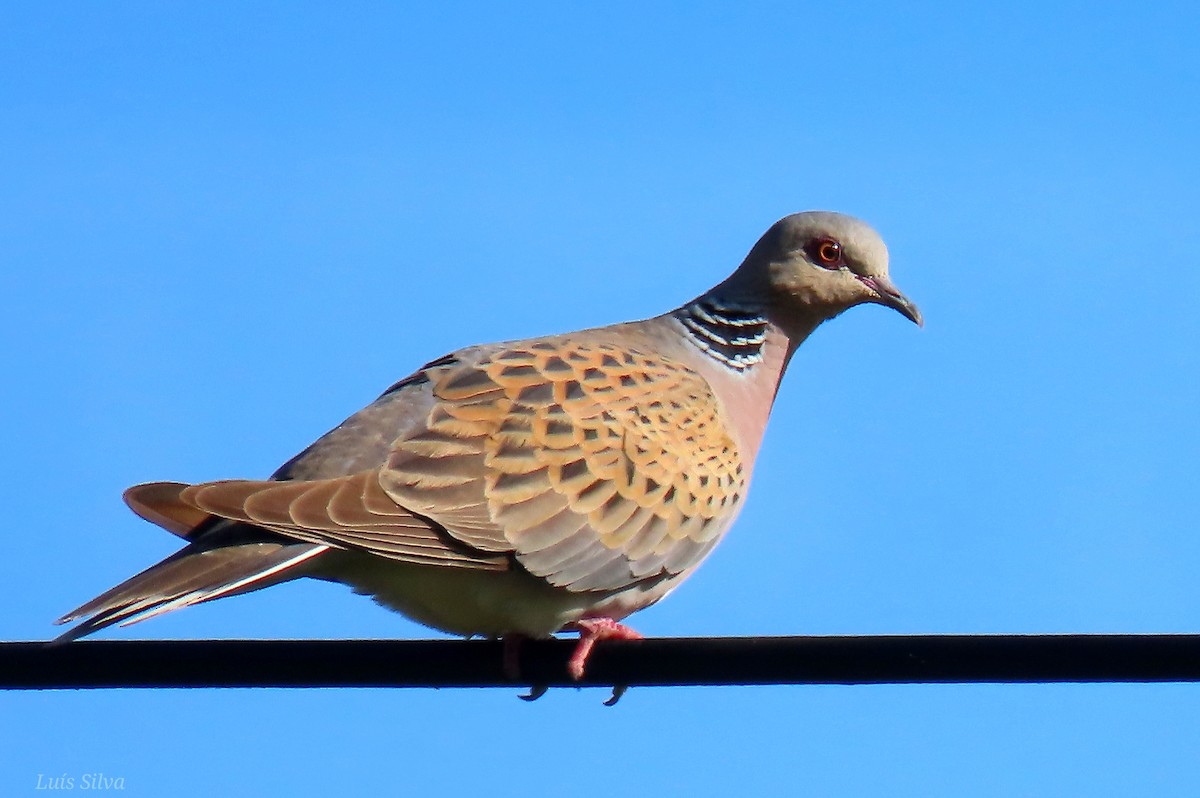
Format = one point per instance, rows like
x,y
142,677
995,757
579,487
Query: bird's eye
x,y
825,252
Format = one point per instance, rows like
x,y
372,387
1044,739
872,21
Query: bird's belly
x,y
477,602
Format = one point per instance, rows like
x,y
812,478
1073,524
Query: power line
x,y
652,662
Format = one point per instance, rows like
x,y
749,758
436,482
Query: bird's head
x,y
818,264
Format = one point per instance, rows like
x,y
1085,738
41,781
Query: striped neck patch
x,y
729,333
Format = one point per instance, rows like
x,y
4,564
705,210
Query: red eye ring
x,y
826,253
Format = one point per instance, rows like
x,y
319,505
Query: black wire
x,y
662,661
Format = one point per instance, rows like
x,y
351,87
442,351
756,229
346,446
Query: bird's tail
x,y
200,572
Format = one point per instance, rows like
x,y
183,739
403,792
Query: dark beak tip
x,y
901,304
886,293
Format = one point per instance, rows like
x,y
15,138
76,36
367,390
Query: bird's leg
x,y
592,630
512,666
512,656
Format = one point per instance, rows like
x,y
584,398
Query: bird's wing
x,y
596,465
347,512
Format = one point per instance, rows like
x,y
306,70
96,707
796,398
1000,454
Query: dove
x,y
525,488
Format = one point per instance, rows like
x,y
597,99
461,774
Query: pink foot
x,y
592,630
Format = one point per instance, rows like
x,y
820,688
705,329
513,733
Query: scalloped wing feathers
x,y
596,466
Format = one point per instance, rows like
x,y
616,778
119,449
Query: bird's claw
x,y
617,691
536,691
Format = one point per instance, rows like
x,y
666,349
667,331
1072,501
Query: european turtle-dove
x,y
528,487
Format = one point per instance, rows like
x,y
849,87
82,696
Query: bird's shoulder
x,y
603,371
597,442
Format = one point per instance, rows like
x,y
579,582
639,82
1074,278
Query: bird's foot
x,y
591,631
512,666
512,656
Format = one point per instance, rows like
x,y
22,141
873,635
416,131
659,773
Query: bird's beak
x,y
888,294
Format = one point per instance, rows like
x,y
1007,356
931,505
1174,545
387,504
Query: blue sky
x,y
227,226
